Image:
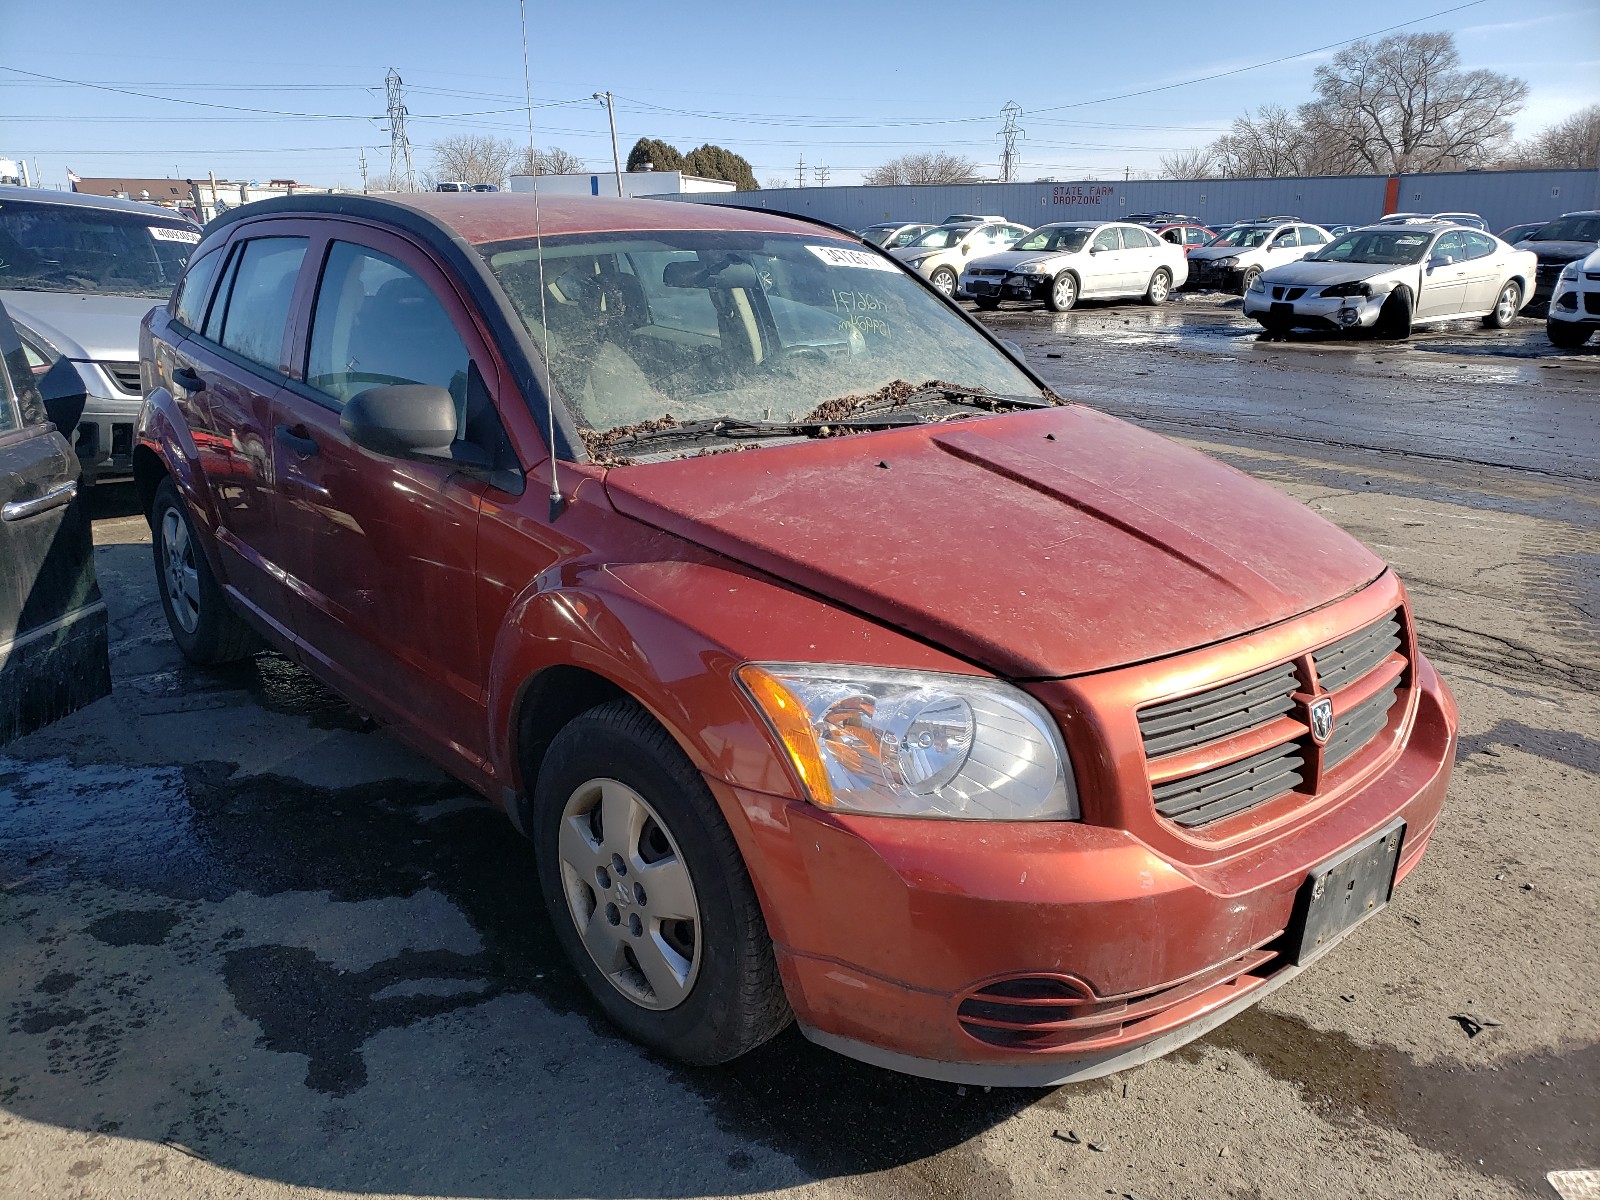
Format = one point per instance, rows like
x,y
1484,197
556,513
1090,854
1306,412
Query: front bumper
x,y
886,928
105,435
1309,310
1574,307
1009,287
1203,273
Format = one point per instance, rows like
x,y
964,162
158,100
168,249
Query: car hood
x,y
1011,259
1321,273
1038,545
905,252
1222,251
81,326
1560,252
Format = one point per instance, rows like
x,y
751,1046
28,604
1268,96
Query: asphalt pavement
x,y
251,946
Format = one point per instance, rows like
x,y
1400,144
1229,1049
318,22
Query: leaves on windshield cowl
x,y
896,395
598,443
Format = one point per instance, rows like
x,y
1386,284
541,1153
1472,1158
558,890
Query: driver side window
x,y
375,323
1448,248
1107,239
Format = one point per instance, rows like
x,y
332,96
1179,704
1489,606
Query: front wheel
x,y
1063,292
1566,335
1394,318
944,281
1160,287
648,892
1248,279
203,624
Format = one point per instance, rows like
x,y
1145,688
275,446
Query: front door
x,y
1444,277
53,635
1105,271
381,551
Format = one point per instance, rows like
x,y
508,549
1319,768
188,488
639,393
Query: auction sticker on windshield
x,y
163,233
841,256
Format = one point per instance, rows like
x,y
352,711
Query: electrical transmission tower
x,y
399,144
1008,153
800,173
820,173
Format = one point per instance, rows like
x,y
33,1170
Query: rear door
x,y
1485,272
381,552
53,639
226,374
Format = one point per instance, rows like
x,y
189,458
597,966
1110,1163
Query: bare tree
x,y
1199,163
775,181
1403,103
1573,143
472,158
554,161
387,183
933,167
1269,145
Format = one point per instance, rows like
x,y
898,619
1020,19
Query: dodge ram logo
x,y
1321,712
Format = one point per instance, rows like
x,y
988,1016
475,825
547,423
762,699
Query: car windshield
x,y
1569,229
1245,236
878,234
1063,240
73,248
711,323
1391,247
904,238
943,237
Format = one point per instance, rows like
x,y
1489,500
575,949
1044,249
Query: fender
x,y
671,634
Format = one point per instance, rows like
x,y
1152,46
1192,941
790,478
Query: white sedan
x,y
1072,260
1393,277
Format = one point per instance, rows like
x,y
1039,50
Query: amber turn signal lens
x,y
788,719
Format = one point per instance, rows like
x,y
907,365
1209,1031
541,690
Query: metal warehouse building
x,y
1501,197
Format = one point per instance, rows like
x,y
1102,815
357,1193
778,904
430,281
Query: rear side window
x,y
375,323
1311,237
1137,239
190,304
258,302
1478,245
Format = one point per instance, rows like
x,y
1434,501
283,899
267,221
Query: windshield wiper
x,y
739,427
954,395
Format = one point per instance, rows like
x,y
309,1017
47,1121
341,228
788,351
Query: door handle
x,y
21,510
188,379
296,439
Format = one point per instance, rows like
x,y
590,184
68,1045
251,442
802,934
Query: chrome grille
x,y
1213,795
1176,727
126,376
1180,725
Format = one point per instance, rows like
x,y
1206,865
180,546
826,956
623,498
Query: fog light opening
x,y
1348,317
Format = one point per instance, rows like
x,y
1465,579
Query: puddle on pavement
x,y
1514,1119
273,681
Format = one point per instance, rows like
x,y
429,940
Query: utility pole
x,y
363,169
611,113
1010,133
399,144
800,172
821,172
1127,174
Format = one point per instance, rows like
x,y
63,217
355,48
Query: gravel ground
x,y
251,946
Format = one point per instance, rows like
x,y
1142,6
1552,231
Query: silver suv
x,y
78,274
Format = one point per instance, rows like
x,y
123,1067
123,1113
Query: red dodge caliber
x,y
837,670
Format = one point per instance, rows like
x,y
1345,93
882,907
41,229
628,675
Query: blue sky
x,y
843,84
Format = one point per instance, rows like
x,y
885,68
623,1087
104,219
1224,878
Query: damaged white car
x,y
1390,278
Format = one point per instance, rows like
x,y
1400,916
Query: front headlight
x,y
1227,262
917,260
915,744
1256,285
1570,271
1336,290
1030,269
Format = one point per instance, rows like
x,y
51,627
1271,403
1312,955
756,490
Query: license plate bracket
x,y
1282,310
1342,892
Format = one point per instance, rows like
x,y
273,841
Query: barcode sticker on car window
x,y
843,256
165,233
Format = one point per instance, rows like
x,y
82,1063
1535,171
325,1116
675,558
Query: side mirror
x,y
410,420
64,394
967,249
1438,260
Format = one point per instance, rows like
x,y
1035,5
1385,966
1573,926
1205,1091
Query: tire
x,y
944,282
1160,287
1394,318
701,987
1063,293
203,623
1564,335
1506,306
1251,274
986,303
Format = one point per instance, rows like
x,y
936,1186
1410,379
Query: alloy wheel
x,y
1506,308
944,282
629,894
1065,292
1160,287
179,576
